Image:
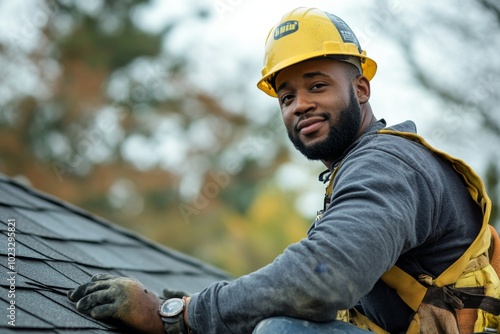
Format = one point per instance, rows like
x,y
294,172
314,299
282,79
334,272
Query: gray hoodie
x,y
393,202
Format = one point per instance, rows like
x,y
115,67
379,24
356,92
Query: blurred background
x,y
146,112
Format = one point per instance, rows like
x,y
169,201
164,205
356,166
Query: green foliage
x,y
109,50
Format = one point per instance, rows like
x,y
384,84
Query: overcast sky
x,y
240,27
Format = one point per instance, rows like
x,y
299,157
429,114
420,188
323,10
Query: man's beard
x,y
339,137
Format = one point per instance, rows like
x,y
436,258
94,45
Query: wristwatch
x,y
172,314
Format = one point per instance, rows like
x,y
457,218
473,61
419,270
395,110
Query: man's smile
x,y
310,124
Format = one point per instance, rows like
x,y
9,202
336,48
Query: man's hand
x,y
120,298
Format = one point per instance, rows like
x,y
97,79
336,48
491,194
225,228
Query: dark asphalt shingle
x,y
25,228
20,248
36,242
25,319
70,270
59,246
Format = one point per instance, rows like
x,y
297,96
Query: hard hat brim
x,y
368,66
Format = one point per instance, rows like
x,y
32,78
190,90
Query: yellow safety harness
x,y
464,298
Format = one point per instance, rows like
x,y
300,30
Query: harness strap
x,y
478,193
473,298
494,251
473,308
408,288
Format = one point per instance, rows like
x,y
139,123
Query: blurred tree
x,y
97,110
451,52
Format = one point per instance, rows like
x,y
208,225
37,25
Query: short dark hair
x,y
351,71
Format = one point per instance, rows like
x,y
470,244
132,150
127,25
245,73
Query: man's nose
x,y
303,103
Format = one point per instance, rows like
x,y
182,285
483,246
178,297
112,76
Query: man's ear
x,y
362,89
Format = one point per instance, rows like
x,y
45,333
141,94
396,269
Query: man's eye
x,y
318,85
286,98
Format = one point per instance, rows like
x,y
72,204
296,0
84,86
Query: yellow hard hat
x,y
306,33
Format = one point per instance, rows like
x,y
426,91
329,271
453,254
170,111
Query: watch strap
x,y
175,325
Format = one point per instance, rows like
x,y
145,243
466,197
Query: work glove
x,y
109,297
167,294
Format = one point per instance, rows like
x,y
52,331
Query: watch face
x,y
172,307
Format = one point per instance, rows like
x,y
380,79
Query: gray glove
x,y
167,294
122,298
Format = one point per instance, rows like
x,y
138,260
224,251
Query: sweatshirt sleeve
x,y
369,223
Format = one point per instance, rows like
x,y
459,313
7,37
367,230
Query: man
x,y
395,211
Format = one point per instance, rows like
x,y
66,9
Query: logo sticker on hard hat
x,y
344,30
286,28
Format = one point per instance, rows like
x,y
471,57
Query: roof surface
x,y
58,246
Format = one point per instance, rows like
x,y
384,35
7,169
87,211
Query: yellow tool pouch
x,y
464,299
